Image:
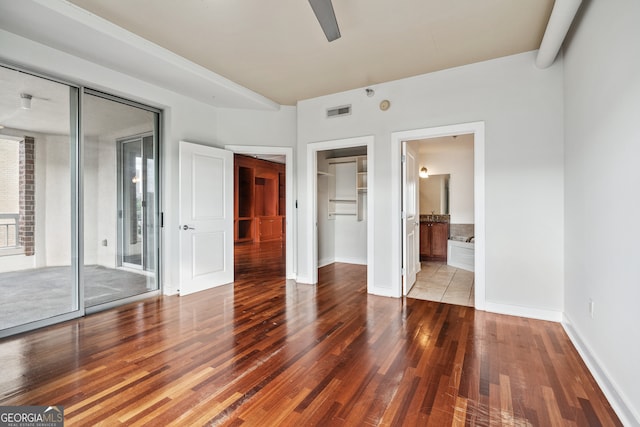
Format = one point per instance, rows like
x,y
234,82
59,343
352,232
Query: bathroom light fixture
x,y
423,172
25,101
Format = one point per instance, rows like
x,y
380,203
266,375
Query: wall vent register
x,y
343,110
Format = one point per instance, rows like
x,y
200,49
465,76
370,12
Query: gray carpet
x,y
30,295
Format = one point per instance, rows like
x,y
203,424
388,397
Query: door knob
x,y
186,227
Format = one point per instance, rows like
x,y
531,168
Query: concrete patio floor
x,y
30,295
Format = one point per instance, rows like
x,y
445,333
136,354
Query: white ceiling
x,y
277,49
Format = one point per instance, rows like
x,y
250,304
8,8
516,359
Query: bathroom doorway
x,y
444,194
476,129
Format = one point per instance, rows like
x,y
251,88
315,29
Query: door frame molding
x,y
397,240
312,200
289,189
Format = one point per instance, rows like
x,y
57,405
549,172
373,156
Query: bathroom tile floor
x,y
439,282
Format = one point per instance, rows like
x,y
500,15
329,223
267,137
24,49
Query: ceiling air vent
x,y
343,110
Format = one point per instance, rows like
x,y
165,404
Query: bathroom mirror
x,y
434,195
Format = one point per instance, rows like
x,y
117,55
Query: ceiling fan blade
x,y
326,17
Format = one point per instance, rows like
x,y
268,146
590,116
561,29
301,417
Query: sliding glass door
x,y
38,199
120,203
78,211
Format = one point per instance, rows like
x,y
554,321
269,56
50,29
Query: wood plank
x,y
267,350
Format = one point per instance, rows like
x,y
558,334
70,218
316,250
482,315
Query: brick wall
x,y
27,195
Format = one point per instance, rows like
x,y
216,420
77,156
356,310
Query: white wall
x,y
252,127
522,110
106,221
326,227
92,194
602,178
55,173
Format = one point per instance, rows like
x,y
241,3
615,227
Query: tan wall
x,y
9,176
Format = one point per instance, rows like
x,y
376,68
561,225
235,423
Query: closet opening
x,y
319,243
342,178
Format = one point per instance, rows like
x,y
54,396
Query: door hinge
x,y
403,214
404,158
403,271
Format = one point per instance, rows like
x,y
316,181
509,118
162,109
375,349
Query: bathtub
x,y
460,253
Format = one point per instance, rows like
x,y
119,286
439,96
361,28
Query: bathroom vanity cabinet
x,y
433,241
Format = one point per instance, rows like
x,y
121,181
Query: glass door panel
x,y
149,203
38,256
120,180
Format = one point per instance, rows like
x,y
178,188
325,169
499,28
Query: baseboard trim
x,y
325,262
529,312
383,293
304,280
618,402
349,260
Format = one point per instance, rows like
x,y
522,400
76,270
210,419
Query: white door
x,y
411,218
206,217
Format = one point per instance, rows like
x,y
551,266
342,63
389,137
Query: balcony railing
x,y
8,230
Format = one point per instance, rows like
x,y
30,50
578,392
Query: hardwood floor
x,y
268,352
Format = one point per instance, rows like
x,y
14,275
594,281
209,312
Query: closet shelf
x,y
341,160
347,186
